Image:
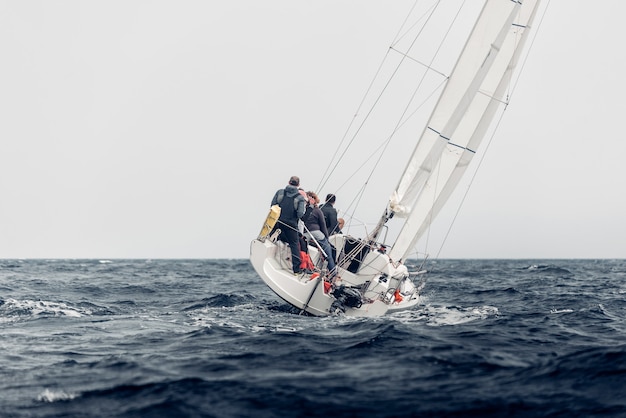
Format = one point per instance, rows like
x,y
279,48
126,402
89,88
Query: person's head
x,y
294,181
313,199
330,198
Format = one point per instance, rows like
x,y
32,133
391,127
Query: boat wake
x,y
438,316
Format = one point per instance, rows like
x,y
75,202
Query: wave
x,y
494,291
221,300
547,268
208,338
16,309
49,395
39,308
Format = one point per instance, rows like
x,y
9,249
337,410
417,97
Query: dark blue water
x,y
206,338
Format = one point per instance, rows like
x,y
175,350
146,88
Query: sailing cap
x,y
294,181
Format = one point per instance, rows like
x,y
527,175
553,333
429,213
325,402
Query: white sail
x,y
461,117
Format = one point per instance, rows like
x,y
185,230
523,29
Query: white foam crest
x,y
559,311
39,307
55,396
442,315
439,316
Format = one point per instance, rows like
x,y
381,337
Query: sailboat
x,y
372,276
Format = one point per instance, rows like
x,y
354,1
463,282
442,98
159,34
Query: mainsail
x,y
461,118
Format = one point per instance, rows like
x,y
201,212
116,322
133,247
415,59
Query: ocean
x,y
206,338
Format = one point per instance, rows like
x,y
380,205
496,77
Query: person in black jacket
x,y
292,206
316,229
333,224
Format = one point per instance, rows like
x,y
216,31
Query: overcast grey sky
x,y
161,129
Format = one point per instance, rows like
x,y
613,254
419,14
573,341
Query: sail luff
x,y
466,132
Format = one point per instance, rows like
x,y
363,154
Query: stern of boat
x,y
305,291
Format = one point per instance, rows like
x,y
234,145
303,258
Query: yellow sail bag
x,y
270,221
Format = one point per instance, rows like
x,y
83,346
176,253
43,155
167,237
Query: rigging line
x,y
361,166
399,37
355,204
426,99
406,120
532,42
353,221
327,174
491,97
396,39
336,164
514,81
428,67
351,208
402,120
363,122
437,88
388,141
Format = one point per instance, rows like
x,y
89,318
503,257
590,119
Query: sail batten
x,y
461,117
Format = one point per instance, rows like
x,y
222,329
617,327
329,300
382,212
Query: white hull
x,y
375,282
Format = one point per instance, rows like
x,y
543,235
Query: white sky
x,y
161,129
